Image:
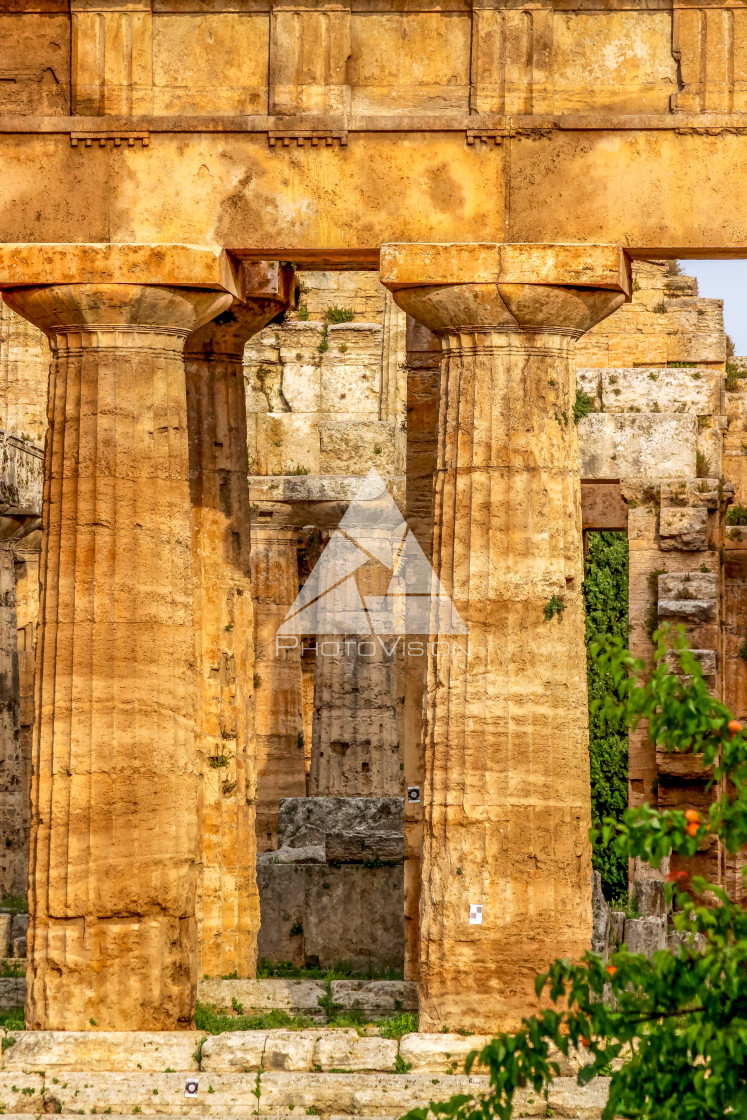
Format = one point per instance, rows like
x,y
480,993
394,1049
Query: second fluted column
x,y
228,900
506,878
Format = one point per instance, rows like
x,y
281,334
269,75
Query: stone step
x,y
278,1094
101,1051
375,998
322,1049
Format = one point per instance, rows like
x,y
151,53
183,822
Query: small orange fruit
x,y
734,727
586,1041
692,816
692,829
612,969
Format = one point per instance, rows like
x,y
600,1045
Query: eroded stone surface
x,y
376,997
12,991
289,1050
347,1051
98,1051
263,995
646,935
669,390
648,445
21,1092
354,1094
324,912
440,1053
567,1098
309,819
683,529
233,1052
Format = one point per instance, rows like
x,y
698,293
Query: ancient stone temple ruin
x,y
260,261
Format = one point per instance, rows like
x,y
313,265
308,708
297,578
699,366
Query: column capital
x,y
275,534
266,290
564,289
92,316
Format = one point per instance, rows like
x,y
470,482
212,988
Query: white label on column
x,y
475,914
191,1085
413,795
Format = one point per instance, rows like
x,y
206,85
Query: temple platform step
x,y
278,1094
274,1073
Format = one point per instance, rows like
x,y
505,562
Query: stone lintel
x,y
587,266
602,505
330,259
265,280
315,487
184,266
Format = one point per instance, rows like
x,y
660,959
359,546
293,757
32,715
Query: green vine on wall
x,y
606,602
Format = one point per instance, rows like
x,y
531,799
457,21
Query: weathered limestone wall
x,y
313,400
332,892
356,744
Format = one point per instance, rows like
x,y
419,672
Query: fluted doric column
x,y
423,377
227,899
506,792
115,786
281,763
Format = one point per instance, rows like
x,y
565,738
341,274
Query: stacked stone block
x,y
338,862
